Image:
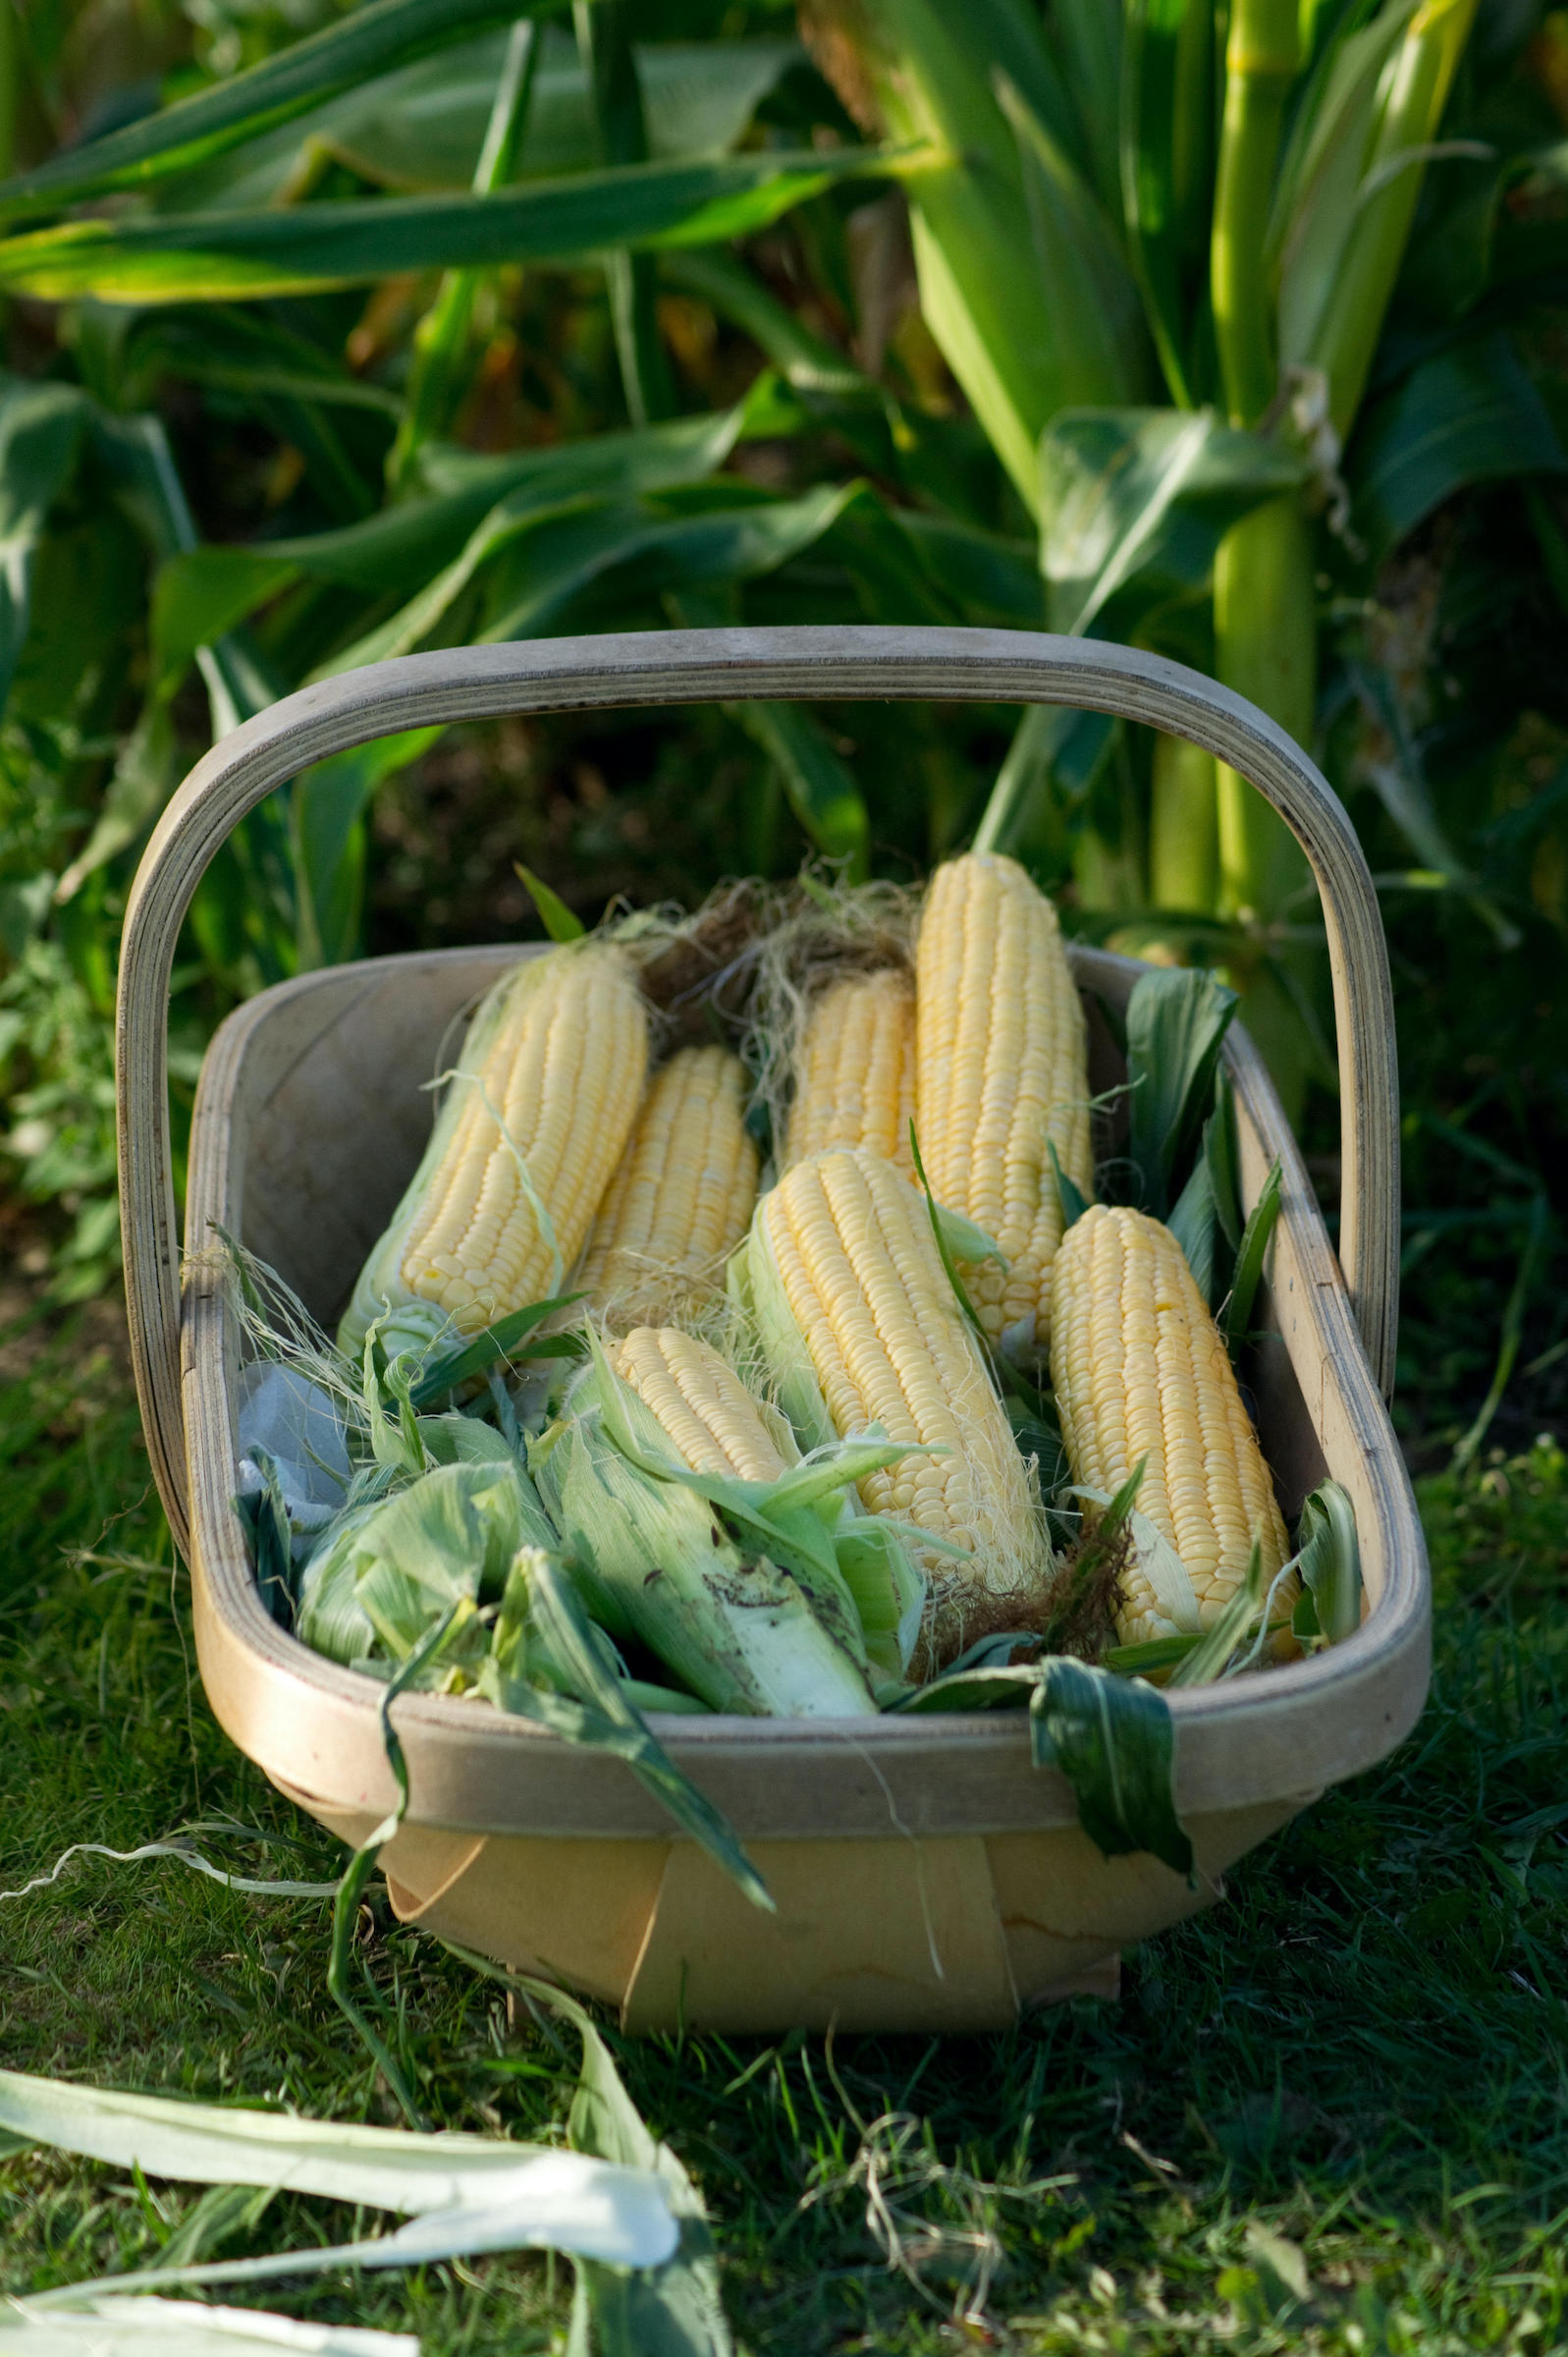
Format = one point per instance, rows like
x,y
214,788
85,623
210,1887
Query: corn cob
x,y
859,1325
711,1418
655,1562
1001,1069
535,1121
1140,1371
679,1202
855,1070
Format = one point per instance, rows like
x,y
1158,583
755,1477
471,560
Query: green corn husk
x,y
656,1563
390,1568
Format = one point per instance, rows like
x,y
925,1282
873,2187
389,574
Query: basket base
x,y
959,1932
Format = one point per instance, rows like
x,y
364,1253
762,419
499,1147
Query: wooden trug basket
x,y
927,1877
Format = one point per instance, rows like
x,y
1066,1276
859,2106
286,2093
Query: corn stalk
x,y
1263,263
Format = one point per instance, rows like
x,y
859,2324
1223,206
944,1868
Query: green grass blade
x,y
1538,1234
224,257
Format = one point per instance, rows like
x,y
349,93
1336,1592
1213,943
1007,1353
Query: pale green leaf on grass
x,y
111,2324
462,2194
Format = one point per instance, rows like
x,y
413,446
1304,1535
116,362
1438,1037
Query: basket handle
x,y
695,667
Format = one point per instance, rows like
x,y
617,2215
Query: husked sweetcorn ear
x,y
855,1070
1141,1371
860,1325
535,1121
712,1420
1000,1073
679,1202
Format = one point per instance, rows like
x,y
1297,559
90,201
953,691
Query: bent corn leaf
x,y
1113,1740
221,258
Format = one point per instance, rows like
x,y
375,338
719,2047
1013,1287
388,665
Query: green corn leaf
x,y
676,2309
1250,1256
466,2194
983,1686
1317,191
338,58
1133,504
223,258
1070,1195
1468,415
1329,1561
41,427
126,2324
500,1342
422,126
437,373
1089,34
1176,1023
556,917
539,560
542,1627
819,787
1410,101
1166,119
327,804
1082,273
807,360
1206,1659
1113,1740
472,506
1044,784
1152,1659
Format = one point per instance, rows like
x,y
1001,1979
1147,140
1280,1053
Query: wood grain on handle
x,y
693,666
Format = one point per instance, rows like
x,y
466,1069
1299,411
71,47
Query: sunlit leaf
x,y
221,258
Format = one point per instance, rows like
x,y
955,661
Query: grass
x,y
1332,2112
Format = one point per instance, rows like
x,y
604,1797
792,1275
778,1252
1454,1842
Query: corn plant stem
x,y
1264,640
442,338
1262,56
1423,76
1183,828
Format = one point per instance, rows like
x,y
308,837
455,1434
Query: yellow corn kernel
x,y
1000,1075
535,1120
1141,1371
679,1202
714,1423
859,1325
855,1070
